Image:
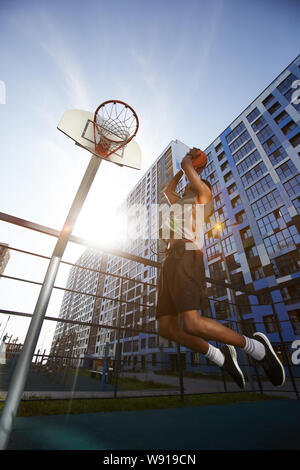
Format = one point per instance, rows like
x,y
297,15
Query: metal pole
x,y
118,345
284,351
180,372
19,376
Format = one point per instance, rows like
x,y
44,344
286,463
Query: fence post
x,y
284,351
180,373
119,345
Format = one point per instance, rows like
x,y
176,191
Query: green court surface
x,y
265,425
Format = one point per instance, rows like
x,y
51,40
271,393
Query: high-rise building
x,y
253,166
78,306
4,256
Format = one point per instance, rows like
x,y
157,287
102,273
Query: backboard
x,y
79,126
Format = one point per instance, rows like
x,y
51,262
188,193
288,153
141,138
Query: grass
x,y
55,407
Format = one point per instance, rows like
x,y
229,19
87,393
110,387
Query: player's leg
x,y
170,327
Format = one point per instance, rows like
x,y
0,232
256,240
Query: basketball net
x,y
115,125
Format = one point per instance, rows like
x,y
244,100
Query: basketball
x,y
199,160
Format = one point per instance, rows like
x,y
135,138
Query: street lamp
x,y
230,292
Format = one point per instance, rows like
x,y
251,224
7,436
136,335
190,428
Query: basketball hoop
x,y
115,125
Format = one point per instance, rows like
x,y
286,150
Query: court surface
x,y
257,425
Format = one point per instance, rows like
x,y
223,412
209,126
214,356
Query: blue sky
x,y
187,68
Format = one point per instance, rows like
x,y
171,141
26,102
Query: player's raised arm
x,y
203,190
170,191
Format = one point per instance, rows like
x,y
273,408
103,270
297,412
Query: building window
x,y
237,156
271,144
284,265
232,188
264,133
228,244
291,294
289,127
218,147
274,108
277,156
296,203
286,169
228,176
239,141
246,233
221,156
266,203
236,202
260,187
222,310
251,252
273,221
258,124
257,273
253,115
281,117
292,186
294,316
195,359
235,132
254,173
281,240
249,327
295,140
240,217
270,323
268,100
286,83
248,161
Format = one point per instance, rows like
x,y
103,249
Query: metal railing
x,y
142,370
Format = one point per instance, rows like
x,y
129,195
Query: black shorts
x,y
181,284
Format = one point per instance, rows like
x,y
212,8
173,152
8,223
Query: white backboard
x,y
78,125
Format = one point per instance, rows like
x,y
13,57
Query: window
x,y
254,174
271,144
289,127
237,156
284,265
294,316
218,147
286,169
248,161
253,115
274,108
240,216
286,83
281,117
296,203
222,310
281,240
274,221
295,140
258,124
260,187
270,323
235,132
268,100
291,294
195,359
257,273
249,326
239,141
221,156
232,188
228,176
277,156
251,252
292,186
224,166
264,133
246,233
236,202
228,244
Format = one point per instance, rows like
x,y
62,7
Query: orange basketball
x,y
199,160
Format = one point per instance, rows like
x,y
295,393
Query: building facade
x,y
253,166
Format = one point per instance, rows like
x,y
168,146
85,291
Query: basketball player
x,y
181,289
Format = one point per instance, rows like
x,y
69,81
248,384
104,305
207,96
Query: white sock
x,y
254,348
215,355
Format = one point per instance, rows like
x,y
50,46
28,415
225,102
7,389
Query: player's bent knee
x,y
191,322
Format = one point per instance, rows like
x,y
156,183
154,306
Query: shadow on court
x,y
258,425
